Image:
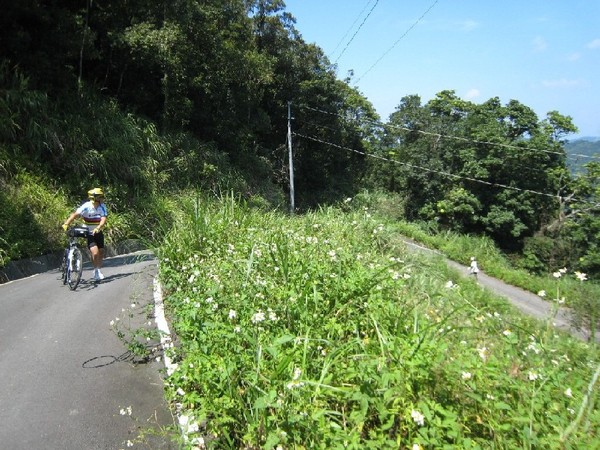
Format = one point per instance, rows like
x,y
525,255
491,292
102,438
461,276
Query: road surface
x,y
68,382
525,301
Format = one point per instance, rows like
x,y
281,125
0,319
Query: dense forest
x,y
150,97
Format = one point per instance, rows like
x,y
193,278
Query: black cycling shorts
x,y
95,240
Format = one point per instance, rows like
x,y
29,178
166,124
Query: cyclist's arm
x,y
71,218
101,224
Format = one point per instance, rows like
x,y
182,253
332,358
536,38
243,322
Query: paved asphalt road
x,y
65,374
525,301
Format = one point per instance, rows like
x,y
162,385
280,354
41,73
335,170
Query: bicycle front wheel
x,y
74,268
64,266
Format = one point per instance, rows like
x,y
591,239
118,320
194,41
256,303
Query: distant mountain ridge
x,y
580,151
587,138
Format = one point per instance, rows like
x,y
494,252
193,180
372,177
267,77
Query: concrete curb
x,y
23,268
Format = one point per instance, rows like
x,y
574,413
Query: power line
x,y
356,32
458,138
351,26
399,39
447,174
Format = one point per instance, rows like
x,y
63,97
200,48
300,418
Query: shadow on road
x,y
97,362
88,283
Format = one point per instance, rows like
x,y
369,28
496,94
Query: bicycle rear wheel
x,y
74,268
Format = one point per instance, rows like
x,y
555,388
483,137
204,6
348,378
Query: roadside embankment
x,y
39,264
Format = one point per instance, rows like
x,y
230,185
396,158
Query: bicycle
x,y
72,264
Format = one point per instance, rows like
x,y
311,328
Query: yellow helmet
x,y
96,192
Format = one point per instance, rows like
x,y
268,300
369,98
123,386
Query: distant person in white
x,y
473,268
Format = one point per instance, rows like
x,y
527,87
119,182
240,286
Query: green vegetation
x,y
580,151
317,330
323,331
148,99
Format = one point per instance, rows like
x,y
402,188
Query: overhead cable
x,y
457,138
447,174
399,39
356,32
349,29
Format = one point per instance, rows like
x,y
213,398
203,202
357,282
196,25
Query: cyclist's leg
x,y
100,243
93,248
96,247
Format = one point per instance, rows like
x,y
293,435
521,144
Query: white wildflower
x,y
450,284
507,332
483,352
541,294
418,417
295,383
183,420
532,376
467,375
258,317
569,393
581,276
232,314
534,348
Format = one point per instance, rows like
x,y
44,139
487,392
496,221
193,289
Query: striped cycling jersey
x,y
91,216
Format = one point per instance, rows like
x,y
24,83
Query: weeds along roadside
x,y
563,287
308,331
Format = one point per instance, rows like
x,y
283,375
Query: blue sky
x,y
543,53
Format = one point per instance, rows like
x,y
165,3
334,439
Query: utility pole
x,y
291,159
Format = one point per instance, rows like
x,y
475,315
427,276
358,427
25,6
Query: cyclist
x,y
94,215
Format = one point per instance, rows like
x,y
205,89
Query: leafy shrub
x,y
312,332
31,211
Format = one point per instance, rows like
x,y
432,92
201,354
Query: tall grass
x,y
582,298
316,332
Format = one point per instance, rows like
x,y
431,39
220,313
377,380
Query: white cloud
x,y
594,44
539,44
472,94
468,25
574,56
562,83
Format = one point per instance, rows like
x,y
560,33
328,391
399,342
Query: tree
x,y
486,168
